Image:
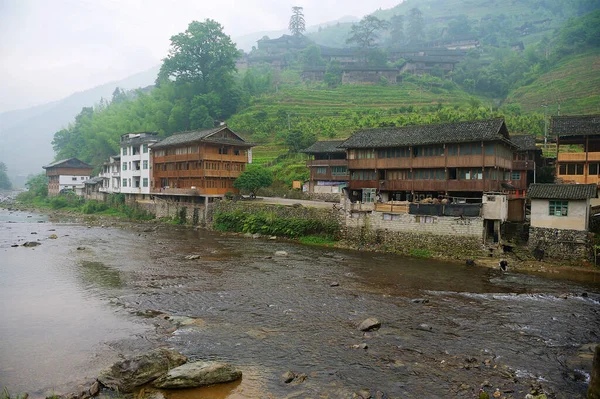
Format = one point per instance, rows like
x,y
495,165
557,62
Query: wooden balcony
x,y
192,192
200,156
326,162
572,156
328,176
362,163
429,162
579,179
393,163
196,173
523,165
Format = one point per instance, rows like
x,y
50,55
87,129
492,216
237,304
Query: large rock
x,y
198,374
369,324
594,388
127,374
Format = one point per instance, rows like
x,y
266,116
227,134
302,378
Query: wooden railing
x,y
200,156
327,162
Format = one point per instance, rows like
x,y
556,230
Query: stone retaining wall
x,y
435,236
561,244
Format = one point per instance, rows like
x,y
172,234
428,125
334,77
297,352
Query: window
x,y
579,169
124,150
145,164
145,148
465,149
516,176
339,170
593,169
558,208
571,169
452,150
74,178
562,169
368,195
145,182
489,149
322,171
223,151
124,182
124,166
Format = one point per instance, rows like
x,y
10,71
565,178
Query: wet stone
x,y
30,244
369,324
288,377
425,327
334,284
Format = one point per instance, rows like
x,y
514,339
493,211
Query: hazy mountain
x,y
26,135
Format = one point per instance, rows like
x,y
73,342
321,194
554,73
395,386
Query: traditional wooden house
x,y
403,163
427,64
328,167
200,163
525,160
67,174
578,148
355,74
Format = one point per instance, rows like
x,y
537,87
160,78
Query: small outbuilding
x,y
560,216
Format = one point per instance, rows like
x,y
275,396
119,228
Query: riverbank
x,y
519,260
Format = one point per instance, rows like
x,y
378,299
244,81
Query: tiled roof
x,y
524,142
199,135
562,191
94,180
325,146
432,59
575,125
457,132
69,163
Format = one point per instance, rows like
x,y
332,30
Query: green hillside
x,y
574,84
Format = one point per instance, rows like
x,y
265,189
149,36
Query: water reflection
x,y
98,274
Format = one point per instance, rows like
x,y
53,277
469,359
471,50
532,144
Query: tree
x,y
298,140
333,74
366,33
5,183
415,26
297,24
203,55
253,178
311,57
397,36
38,185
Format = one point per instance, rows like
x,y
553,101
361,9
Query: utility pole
x,y
545,128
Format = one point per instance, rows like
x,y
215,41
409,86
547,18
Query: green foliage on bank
x,y
267,223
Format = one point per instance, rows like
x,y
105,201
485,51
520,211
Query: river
x,y
73,305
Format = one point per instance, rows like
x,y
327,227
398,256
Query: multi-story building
x,y
111,175
578,148
135,162
328,167
67,174
526,159
200,163
462,159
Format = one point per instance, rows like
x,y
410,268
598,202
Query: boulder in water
x,y
128,374
197,374
369,324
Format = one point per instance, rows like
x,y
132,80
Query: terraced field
x,y
575,84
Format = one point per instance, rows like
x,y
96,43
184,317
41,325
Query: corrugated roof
x,y
325,146
524,142
457,132
69,163
575,125
199,135
562,191
94,180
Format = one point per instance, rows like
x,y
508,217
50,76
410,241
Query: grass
x,y
6,395
317,240
574,83
420,253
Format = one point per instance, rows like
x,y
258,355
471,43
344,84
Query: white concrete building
x,y
135,162
111,175
561,206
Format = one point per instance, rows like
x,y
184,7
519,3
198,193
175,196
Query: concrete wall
x,y
576,219
436,236
561,244
495,206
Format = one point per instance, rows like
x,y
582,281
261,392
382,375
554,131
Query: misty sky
x,y
52,48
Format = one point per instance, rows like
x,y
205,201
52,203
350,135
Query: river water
x,y
73,305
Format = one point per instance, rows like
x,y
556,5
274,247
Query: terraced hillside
x,y
575,84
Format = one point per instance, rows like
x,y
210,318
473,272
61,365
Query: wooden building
x,y
328,167
200,163
461,159
526,159
578,148
67,174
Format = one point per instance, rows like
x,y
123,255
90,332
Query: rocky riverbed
x,y
279,312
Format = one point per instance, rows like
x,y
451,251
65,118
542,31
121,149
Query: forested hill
x,y
280,111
